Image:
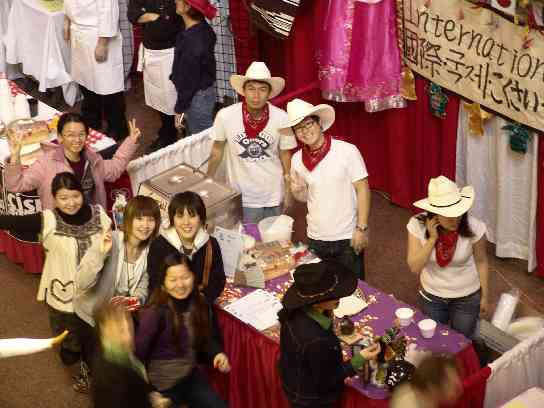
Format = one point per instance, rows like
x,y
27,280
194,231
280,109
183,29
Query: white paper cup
x,y
405,315
427,327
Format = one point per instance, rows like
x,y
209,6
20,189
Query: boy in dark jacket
x,y
187,235
311,364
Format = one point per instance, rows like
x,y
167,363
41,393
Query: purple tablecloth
x,y
374,320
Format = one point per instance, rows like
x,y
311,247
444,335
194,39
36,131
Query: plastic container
x,y
505,309
427,327
405,316
278,228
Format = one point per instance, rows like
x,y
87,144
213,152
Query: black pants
x,y
81,340
342,252
110,107
168,133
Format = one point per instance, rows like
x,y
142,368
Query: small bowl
x,y
427,327
405,316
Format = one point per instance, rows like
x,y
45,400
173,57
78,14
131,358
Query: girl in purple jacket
x,y
176,332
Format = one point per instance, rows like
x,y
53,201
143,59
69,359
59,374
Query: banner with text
x,y
477,54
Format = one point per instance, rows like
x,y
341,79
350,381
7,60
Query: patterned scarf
x,y
254,126
81,233
445,247
312,158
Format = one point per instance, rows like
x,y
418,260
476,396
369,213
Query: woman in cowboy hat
x,y
311,366
258,158
447,249
193,70
327,167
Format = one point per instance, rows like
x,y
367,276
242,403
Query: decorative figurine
x,y
437,100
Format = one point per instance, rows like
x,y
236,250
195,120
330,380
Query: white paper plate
x,y
349,306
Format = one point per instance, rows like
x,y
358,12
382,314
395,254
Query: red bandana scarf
x,y
445,247
254,126
312,158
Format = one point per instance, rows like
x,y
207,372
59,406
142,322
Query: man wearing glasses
x,y
331,176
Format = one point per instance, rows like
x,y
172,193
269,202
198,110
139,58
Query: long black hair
x,y
463,229
200,311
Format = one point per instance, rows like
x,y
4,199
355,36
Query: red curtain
x,y
403,148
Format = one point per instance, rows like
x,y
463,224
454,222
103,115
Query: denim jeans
x,y
254,215
342,252
460,313
199,115
195,391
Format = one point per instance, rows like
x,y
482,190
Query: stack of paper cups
x,y
6,102
21,107
505,310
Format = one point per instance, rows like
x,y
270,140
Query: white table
x,y
34,40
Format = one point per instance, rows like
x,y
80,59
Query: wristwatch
x,y
362,227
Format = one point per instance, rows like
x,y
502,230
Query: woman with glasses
x,y
71,155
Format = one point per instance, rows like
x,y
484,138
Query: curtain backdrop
x,y
403,148
506,186
540,211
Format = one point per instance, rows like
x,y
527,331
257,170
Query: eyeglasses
x,y
304,126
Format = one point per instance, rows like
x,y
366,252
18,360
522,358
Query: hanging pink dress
x,y
358,54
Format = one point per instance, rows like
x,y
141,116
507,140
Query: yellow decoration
x,y
476,118
52,124
408,84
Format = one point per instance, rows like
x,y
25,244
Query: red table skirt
x,y
28,255
254,380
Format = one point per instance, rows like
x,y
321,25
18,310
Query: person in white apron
x,y
92,27
160,26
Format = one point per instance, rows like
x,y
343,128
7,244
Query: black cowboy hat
x,y
318,282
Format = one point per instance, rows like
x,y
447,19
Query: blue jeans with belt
x,y
460,314
199,115
342,252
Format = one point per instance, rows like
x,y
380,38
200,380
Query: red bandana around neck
x,y
311,158
445,247
254,126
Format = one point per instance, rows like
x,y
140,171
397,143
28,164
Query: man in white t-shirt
x,y
258,158
330,175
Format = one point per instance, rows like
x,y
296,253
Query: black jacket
x,y
161,33
194,63
311,366
162,247
115,385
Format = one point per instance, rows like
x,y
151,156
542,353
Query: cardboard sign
x,y
476,53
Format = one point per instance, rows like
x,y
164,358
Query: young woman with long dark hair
x,y
175,331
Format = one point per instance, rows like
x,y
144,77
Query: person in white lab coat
x,y
92,27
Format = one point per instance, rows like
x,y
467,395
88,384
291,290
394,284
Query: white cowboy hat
x,y
258,71
298,109
445,198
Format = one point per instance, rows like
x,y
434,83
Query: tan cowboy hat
x,y
258,71
445,198
298,109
